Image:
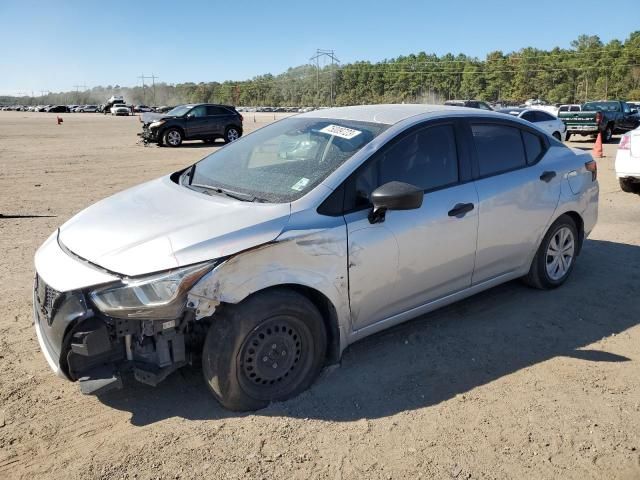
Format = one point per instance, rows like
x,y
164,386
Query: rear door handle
x,y
460,210
547,176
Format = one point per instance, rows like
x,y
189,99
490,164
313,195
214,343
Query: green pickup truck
x,y
606,117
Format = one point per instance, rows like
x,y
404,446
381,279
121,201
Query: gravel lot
x,y
512,383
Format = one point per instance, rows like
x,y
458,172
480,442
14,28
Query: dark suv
x,y
203,121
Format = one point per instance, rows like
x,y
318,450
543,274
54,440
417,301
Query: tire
x,y
246,341
543,273
231,134
607,134
557,136
172,137
629,186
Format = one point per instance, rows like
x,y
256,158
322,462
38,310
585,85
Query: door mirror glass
x,y
394,196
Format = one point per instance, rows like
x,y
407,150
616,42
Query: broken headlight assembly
x,y
155,297
157,123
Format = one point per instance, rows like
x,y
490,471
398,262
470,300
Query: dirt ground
x,y
512,383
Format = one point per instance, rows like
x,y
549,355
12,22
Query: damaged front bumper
x,y
80,344
149,135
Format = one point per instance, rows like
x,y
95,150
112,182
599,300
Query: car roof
x,y
386,114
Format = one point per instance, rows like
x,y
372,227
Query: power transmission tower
x,y
331,55
153,77
84,87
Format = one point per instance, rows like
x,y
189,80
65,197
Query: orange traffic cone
x,y
597,148
59,120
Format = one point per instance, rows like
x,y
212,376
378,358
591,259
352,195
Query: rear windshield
x,y
604,106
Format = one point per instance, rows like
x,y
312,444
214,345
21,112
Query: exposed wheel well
x,y
329,316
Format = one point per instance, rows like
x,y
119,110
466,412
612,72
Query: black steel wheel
x,y
269,347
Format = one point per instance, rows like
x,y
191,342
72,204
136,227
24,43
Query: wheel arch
x,y
578,221
176,127
327,311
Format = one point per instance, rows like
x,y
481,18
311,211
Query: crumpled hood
x,y
161,225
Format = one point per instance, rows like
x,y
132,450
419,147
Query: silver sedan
x,y
267,258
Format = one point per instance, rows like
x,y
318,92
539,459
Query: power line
x,y
153,77
330,54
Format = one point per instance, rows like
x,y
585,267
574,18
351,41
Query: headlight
x,y
156,124
160,296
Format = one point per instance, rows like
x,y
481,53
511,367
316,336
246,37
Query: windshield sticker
x,y
300,184
342,132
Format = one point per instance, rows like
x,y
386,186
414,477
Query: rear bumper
x,y
626,165
583,129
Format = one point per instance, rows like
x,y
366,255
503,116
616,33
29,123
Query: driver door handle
x,y
547,176
460,210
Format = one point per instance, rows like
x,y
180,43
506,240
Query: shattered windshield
x,y
283,161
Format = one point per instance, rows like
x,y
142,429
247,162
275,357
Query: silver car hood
x,y
160,225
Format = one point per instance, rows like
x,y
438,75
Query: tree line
x,y
589,70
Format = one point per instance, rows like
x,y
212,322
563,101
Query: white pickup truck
x,y
628,161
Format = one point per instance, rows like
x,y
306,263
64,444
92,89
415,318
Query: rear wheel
x,y
231,134
626,185
172,137
555,258
270,347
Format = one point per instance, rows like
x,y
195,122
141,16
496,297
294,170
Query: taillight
x,y
241,117
592,167
625,142
598,117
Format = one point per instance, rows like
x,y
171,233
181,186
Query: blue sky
x,y
53,45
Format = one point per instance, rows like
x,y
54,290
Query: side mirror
x,y
394,196
189,116
634,110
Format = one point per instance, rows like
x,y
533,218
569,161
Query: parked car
x,y
469,103
203,121
142,109
606,117
163,109
88,109
270,256
628,162
120,109
544,120
58,109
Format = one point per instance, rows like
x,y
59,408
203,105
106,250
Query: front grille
x,y
47,298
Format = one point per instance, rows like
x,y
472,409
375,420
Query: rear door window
x,y
499,148
213,110
533,146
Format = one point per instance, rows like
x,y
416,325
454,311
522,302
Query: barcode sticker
x,y
342,132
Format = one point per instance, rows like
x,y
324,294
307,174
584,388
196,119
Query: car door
x,y
628,121
547,122
218,119
413,256
518,191
196,122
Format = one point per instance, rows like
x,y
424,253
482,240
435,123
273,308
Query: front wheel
x,y
555,258
231,134
172,137
268,348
